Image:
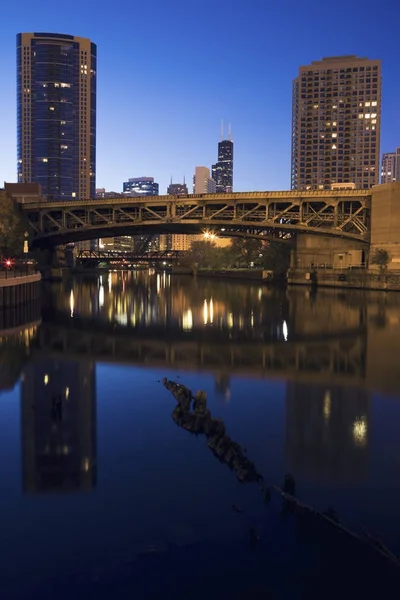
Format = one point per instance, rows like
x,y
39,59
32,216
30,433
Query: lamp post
x,y
26,250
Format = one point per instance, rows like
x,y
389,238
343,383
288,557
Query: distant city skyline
x,y
171,124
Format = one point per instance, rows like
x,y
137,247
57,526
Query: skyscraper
x,y
336,117
222,171
56,114
141,186
177,189
202,182
390,167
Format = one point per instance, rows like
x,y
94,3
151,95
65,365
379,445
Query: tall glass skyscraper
x,y
56,114
222,171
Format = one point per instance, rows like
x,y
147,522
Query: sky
x,y
169,71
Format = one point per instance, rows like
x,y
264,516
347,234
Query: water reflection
x,y
58,426
327,435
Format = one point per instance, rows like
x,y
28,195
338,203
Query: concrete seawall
x,y
19,288
346,278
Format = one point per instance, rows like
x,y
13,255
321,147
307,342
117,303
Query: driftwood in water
x,y
192,414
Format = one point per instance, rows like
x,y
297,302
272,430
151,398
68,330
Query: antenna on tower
x,y
184,180
171,180
229,133
222,129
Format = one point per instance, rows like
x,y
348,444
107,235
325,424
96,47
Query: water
x,y
104,487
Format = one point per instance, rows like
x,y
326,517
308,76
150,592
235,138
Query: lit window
x,y
373,115
374,103
73,194
333,147
334,135
51,107
45,160
373,121
367,115
368,104
66,393
46,379
360,116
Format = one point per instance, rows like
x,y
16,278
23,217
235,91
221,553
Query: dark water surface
x,y
103,495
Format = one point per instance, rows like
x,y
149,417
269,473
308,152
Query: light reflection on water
x,y
309,384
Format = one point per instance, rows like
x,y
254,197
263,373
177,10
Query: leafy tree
x,y
246,251
12,226
380,258
276,257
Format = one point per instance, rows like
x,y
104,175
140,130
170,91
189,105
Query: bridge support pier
x,y
324,253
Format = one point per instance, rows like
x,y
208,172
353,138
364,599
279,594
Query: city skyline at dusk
x,y
161,96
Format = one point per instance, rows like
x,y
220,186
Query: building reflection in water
x,y
58,409
140,299
327,432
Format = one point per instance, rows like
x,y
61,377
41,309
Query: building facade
x,y
336,121
177,189
202,181
56,114
141,186
222,171
390,167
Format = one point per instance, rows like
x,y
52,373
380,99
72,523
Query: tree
x,y
276,257
246,251
380,258
12,226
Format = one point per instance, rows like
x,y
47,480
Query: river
x,y
96,473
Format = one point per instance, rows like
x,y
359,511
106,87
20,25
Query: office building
x,y
177,189
390,167
58,411
141,186
56,114
222,171
202,182
336,121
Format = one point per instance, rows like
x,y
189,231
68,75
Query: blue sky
x,y
169,71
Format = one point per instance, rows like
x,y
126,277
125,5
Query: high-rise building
x,y
390,167
336,118
56,114
58,410
141,186
177,189
176,241
222,171
202,182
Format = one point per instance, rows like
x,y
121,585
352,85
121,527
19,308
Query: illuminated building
x,y
327,431
202,182
222,171
390,167
141,186
56,114
336,122
58,446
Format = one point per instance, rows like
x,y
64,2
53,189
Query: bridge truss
x,y
112,255
345,214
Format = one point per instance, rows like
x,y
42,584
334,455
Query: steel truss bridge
x,y
109,256
343,213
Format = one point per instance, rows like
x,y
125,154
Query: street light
x,y
26,246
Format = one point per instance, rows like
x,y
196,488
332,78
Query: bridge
x,y
338,213
94,257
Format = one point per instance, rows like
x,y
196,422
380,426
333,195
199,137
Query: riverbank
x,y
18,287
359,279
